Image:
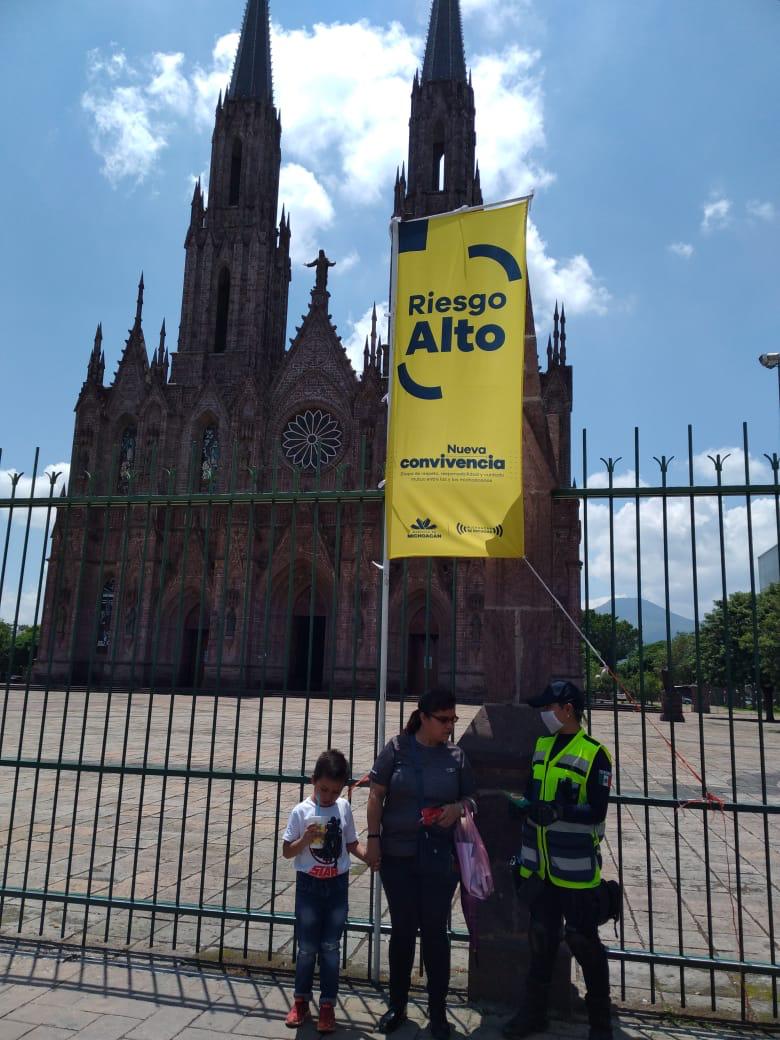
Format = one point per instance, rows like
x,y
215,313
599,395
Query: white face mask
x,y
551,721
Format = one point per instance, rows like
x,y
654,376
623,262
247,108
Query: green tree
x,y
681,663
5,647
768,617
613,647
734,659
17,654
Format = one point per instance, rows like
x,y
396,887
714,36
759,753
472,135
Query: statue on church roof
x,y
322,264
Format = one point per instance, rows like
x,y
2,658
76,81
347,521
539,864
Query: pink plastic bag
x,y
476,877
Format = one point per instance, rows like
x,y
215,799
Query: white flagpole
x,y
385,608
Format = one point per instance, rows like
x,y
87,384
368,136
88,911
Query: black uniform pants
x,y
569,914
418,901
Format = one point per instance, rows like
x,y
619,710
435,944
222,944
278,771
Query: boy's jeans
x,y
320,916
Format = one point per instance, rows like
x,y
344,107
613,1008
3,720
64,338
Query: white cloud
x,y
494,15
343,90
26,549
571,280
762,210
24,484
123,134
193,179
346,264
678,530
169,88
510,123
207,83
682,249
311,207
717,214
732,461
355,343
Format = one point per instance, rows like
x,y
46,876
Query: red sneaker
x,y
299,1013
326,1023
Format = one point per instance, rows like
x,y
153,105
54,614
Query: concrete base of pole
x,y
499,744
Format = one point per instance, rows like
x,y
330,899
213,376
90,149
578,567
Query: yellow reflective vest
x,y
567,854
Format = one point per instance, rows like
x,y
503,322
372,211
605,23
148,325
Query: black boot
x,y
438,1025
525,1023
532,1016
599,1018
392,1019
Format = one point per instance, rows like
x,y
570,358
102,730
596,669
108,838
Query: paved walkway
x,y
49,993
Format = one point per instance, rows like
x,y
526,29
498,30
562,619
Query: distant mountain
x,y
653,618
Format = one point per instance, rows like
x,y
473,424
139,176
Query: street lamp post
x,y
772,361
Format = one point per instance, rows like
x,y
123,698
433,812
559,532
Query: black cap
x,y
559,692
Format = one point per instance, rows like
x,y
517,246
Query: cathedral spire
x,y
563,335
161,349
442,169
373,354
97,360
225,310
252,76
444,54
139,306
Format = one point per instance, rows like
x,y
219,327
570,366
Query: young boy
x,y
321,836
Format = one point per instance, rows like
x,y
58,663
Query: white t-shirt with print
x,y
332,858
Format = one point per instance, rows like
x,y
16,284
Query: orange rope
x,y
707,797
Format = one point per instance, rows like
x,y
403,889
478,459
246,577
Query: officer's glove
x,y
543,813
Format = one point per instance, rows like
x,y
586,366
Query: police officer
x,y
560,863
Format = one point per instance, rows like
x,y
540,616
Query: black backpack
x,y
610,902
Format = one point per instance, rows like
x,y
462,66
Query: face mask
x,y
551,721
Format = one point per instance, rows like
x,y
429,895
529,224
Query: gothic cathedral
x,y
276,590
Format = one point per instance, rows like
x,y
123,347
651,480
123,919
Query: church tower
x,y
237,269
442,173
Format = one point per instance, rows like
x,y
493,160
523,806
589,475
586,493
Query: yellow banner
x,y
454,465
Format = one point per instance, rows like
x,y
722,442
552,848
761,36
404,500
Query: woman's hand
x,y
373,855
450,815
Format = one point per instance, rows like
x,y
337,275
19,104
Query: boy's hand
x,y
311,833
358,851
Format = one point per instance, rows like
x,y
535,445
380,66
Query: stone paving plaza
x,y
193,842
46,994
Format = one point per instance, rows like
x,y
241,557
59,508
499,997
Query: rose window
x,y
312,439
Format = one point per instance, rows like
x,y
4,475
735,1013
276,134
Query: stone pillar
x,y
700,695
499,744
671,699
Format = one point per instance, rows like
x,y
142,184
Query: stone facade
x,y
285,595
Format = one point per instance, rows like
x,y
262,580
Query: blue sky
x,y
647,128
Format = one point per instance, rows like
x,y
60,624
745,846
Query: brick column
x,y
499,744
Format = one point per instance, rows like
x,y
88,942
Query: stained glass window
x,y
126,458
106,616
209,459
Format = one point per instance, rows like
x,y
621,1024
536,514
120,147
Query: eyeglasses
x,y
445,720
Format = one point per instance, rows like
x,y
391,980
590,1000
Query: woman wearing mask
x,y
560,861
418,785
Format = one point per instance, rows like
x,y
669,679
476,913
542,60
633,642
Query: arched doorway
x,y
195,640
306,666
422,671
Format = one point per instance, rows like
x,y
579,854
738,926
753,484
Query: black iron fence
x,y
173,658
